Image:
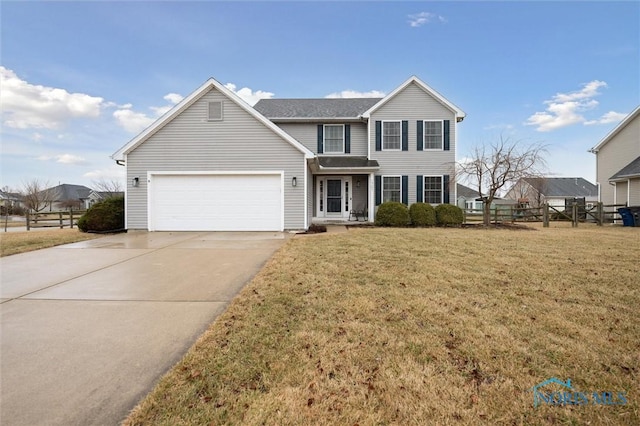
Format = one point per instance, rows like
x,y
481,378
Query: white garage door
x,y
235,202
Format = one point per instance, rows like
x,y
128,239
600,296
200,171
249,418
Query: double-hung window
x,y
391,135
391,188
433,189
334,139
433,138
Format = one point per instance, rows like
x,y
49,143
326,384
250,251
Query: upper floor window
x,y
334,139
391,135
433,189
391,188
433,135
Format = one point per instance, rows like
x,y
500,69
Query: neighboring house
x,y
618,163
65,197
468,199
215,163
10,200
95,196
555,191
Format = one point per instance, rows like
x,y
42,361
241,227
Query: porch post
x,y
371,196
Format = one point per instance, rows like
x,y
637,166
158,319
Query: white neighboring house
x,y
95,196
618,163
555,191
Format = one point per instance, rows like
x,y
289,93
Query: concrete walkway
x,y
87,329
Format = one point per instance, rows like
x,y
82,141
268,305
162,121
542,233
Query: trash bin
x,y
627,216
635,214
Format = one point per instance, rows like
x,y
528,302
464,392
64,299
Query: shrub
x,y
448,215
392,213
106,215
422,214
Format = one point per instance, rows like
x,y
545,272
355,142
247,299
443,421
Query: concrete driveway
x,y
87,329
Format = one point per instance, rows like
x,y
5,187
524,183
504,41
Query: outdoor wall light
x,y
358,183
136,181
294,181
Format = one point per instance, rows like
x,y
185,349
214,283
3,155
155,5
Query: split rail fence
x,y
53,219
598,213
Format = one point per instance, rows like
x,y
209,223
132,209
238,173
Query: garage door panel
x,y
216,203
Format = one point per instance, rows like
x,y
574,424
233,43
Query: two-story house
x,y
216,163
618,163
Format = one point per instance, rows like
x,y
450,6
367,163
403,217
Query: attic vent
x,y
215,111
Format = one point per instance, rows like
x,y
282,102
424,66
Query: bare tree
x,y
36,195
491,167
109,187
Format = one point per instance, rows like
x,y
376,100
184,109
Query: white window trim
x,y
424,188
382,186
324,136
424,135
382,135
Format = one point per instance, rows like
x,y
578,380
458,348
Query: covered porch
x,y
342,189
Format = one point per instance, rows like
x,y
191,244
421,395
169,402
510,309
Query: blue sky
x,y
80,79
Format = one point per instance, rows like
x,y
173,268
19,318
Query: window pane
x,y
432,135
391,188
391,135
333,139
433,189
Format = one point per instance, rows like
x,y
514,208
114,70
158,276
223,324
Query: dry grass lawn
x,y
419,326
21,242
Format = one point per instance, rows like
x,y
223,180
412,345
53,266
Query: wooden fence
x,y
53,219
598,213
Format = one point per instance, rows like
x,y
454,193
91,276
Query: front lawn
x,y
24,241
420,326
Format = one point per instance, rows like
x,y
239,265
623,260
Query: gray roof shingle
x,y
347,162
630,170
315,108
563,187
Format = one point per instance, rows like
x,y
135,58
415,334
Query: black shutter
x,y
419,188
419,125
446,135
405,190
320,138
378,188
405,135
378,135
347,139
445,189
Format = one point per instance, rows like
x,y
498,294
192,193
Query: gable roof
x,y
460,115
67,191
563,187
190,100
350,108
466,192
628,119
629,171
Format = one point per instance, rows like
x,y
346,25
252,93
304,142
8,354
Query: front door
x,y
333,197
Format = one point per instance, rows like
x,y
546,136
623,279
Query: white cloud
x,y
247,95
174,98
70,159
565,109
135,122
26,105
355,94
610,117
419,19
131,121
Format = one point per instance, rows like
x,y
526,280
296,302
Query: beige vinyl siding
x,y
616,154
634,192
237,143
307,135
413,104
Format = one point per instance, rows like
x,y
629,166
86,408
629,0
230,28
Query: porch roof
x,y
339,164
